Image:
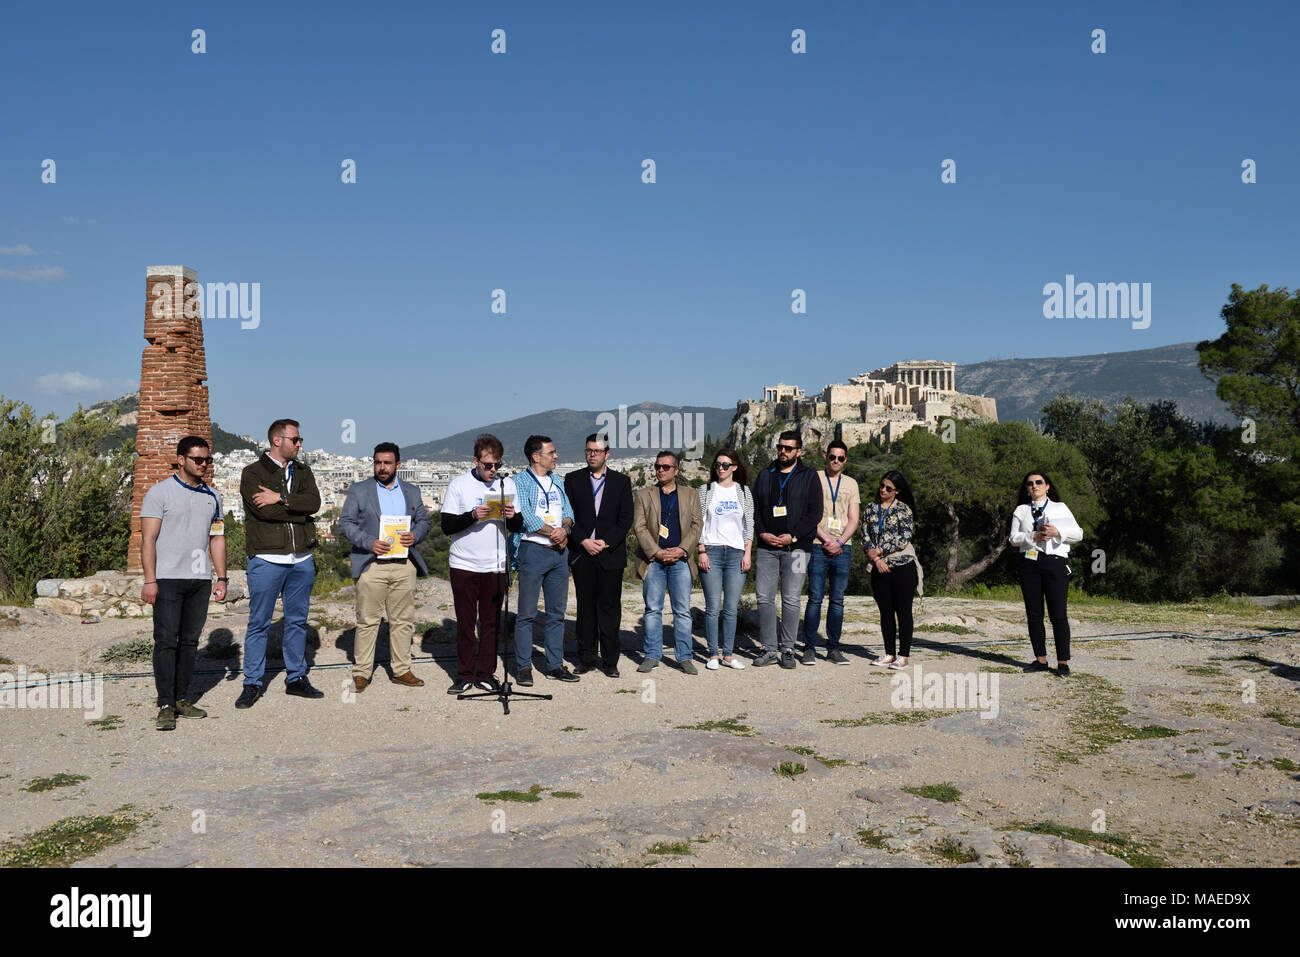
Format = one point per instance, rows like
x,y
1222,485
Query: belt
x,y
393,561
1044,555
554,548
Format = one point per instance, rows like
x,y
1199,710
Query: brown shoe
x,y
407,679
360,684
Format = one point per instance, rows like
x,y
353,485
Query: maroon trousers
x,y
477,597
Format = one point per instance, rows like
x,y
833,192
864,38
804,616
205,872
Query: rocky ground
x,y
1166,750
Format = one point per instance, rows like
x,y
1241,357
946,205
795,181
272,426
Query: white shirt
x,y
724,524
482,546
1056,513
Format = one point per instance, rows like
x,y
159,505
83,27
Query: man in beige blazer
x,y
668,525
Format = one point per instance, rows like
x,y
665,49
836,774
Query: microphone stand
x,y
505,691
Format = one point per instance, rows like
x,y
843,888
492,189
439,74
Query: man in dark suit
x,y
602,515
385,585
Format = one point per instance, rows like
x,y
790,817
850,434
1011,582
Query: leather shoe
x,y
525,679
583,667
561,674
610,671
360,684
302,688
248,697
408,679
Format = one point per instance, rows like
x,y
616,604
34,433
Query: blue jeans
x,y
676,580
267,581
722,585
542,571
821,568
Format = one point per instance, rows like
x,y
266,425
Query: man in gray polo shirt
x,y
180,524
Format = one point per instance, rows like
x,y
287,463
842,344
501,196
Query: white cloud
x,y
64,383
22,249
35,274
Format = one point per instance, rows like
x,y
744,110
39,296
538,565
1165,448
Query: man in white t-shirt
x,y
477,511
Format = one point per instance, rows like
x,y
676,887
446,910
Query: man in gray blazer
x,y
385,585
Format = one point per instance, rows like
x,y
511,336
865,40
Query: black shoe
x,y
837,657
583,667
489,683
610,672
787,660
1037,665
1062,669
460,687
302,688
562,674
809,655
248,697
525,679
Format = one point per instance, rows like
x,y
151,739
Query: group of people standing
x,y
792,524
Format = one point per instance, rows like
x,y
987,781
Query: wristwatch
x,y
223,579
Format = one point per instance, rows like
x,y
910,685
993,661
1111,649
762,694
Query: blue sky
x,y
522,171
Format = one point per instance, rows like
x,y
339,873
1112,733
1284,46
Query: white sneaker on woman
x,y
898,664
712,664
884,661
734,662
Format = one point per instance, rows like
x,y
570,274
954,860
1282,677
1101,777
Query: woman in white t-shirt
x,y
724,552
1043,528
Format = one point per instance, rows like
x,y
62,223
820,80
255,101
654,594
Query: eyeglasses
x,y
664,468
200,459
835,458
597,451
488,466
888,488
723,466
1030,483
788,448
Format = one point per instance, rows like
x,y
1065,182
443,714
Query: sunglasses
x,y
200,459
788,448
295,439
1032,482
664,468
488,466
835,458
723,466
888,488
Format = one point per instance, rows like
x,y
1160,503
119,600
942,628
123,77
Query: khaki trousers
x,y
385,589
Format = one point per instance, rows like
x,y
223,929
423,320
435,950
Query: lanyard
x,y
781,483
835,492
202,487
881,515
546,493
599,485
1037,513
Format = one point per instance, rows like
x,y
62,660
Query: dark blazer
x,y
612,524
359,523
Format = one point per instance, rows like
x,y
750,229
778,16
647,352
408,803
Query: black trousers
x,y
179,614
599,593
893,592
1046,577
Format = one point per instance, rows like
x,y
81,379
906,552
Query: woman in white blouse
x,y
725,550
1043,528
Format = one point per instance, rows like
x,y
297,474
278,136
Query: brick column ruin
x,y
173,397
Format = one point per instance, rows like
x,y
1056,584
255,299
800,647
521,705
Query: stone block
x,y
61,606
48,587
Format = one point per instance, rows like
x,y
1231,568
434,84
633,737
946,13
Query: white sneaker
x,y
712,664
898,664
884,661
735,662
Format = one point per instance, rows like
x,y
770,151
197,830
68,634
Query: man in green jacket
x,y
280,497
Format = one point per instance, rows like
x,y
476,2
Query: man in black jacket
x,y
280,498
787,508
602,516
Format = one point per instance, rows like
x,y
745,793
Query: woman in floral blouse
x,y
887,530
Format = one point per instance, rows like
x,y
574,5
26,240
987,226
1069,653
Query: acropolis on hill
x,y
879,405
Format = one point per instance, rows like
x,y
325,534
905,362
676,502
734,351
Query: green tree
x,y
66,504
966,490
1256,363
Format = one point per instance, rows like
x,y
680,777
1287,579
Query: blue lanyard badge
x,y
781,483
599,485
1037,514
835,492
881,515
545,493
202,487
